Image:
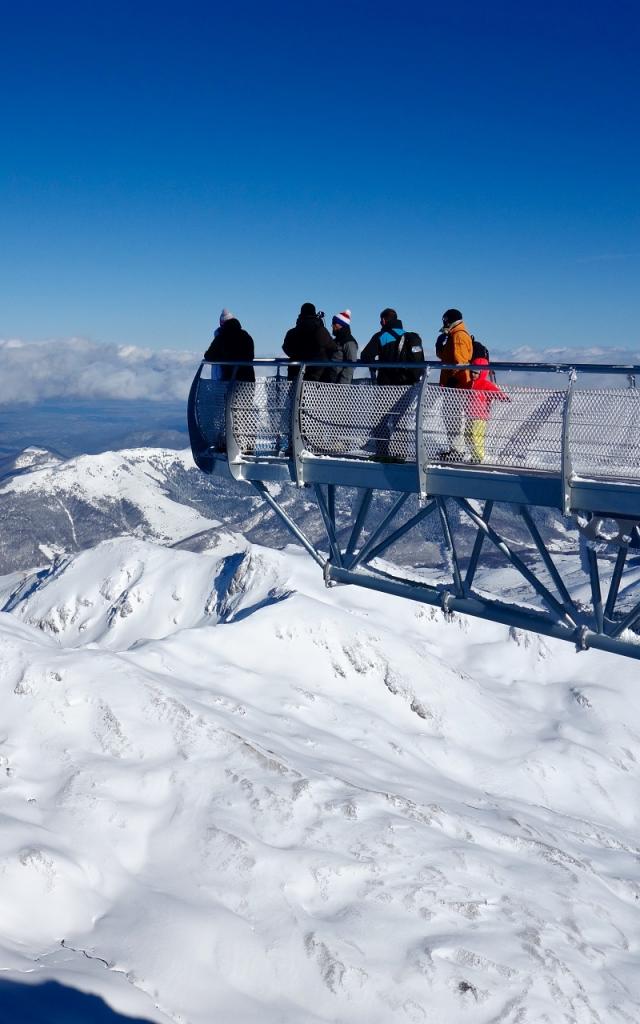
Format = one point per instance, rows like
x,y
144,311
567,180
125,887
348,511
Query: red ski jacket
x,y
483,392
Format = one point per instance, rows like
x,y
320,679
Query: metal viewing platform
x,y
565,438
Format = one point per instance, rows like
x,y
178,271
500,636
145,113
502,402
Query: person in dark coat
x,y
231,342
310,339
348,346
389,345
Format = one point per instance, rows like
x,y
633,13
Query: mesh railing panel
x,y
367,421
210,412
604,433
522,430
361,420
261,415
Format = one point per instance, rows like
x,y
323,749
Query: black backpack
x,y
410,351
479,351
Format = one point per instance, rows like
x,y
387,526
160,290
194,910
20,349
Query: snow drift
x,y
253,798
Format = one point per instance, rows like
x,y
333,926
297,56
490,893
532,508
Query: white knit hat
x,y
225,315
343,318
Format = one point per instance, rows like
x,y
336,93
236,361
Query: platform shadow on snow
x,y
53,1003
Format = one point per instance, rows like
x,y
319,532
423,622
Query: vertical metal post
x,y
297,443
421,447
234,455
567,468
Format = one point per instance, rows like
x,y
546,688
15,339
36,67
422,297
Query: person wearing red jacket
x,y
483,392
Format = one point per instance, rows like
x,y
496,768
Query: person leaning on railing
x,y
231,342
455,348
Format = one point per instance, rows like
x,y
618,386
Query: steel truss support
x,y
328,513
477,548
518,619
564,619
614,586
365,505
517,562
288,522
548,561
596,592
449,541
397,534
363,554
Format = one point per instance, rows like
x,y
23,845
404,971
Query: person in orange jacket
x,y
483,391
458,348
454,346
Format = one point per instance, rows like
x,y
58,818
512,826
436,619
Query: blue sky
x,y
163,160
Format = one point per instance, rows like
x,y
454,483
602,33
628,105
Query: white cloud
x,y
562,354
78,368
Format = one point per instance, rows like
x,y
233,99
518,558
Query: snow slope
x,y
250,798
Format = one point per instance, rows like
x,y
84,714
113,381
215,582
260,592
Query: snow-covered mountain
x,y
229,793
50,506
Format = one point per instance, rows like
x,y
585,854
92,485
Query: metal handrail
x,y
621,369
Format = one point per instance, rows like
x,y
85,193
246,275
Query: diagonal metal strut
x,y
517,563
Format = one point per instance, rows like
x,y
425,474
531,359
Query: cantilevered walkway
x,y
567,438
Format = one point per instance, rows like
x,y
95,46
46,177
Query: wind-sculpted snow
x,y
254,799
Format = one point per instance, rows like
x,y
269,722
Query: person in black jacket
x,y
231,342
310,339
392,344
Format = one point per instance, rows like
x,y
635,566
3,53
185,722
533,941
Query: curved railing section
x,y
568,432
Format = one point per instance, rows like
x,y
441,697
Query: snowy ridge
x,y
286,803
136,476
51,507
125,592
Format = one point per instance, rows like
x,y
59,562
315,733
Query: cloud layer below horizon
x,y
76,368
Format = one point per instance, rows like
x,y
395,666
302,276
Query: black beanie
x,y
450,316
307,309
